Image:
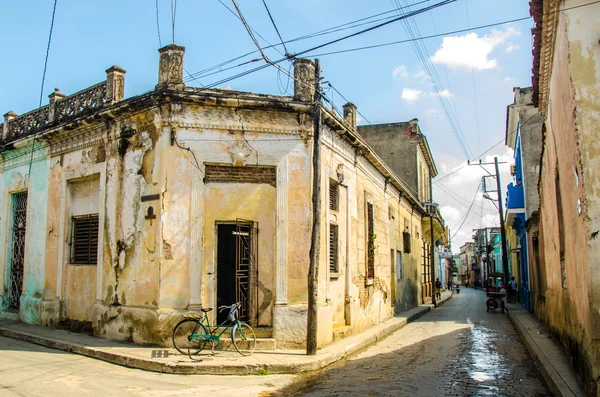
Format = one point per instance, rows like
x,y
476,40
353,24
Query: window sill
x,y
369,282
334,275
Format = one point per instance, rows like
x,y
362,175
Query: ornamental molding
x,y
21,157
338,145
77,141
549,30
235,127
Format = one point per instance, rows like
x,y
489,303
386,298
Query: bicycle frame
x,y
213,337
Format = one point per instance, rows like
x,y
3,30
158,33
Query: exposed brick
x,y
231,174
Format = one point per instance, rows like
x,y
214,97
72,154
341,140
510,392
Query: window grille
x,y
333,196
84,240
371,242
333,249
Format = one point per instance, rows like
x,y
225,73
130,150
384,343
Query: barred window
x,y
84,240
333,249
334,196
371,242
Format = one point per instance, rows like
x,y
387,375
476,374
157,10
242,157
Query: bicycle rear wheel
x,y
182,336
243,338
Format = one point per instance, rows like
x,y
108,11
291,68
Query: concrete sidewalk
x,y
547,352
223,362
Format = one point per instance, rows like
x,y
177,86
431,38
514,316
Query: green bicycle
x,y
194,332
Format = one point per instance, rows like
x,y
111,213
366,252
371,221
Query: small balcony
x,y
515,202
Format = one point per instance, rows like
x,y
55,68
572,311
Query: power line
x,y
44,77
333,29
249,30
247,72
422,54
470,207
344,98
448,33
490,148
473,83
173,15
158,26
275,26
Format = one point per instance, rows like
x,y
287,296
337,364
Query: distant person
x,y
512,291
438,288
449,285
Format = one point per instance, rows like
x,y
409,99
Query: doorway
x,y
17,249
237,270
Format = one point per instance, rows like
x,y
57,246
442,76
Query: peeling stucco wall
x,y
569,300
15,178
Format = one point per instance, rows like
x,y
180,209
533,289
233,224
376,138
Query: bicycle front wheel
x,y
243,338
183,339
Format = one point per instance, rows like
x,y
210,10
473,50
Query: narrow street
x,y
457,350
36,371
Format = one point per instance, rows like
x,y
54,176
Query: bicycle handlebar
x,y
238,304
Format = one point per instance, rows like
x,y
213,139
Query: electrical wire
x,y
275,26
422,54
399,18
474,85
469,211
173,16
158,26
43,77
308,36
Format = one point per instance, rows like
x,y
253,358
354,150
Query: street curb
x,y
553,378
189,368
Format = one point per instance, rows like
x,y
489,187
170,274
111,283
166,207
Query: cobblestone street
x,y
457,350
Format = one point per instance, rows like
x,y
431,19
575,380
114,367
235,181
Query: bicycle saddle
x,y
206,309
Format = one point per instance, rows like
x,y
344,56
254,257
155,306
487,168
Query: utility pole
x,y
315,241
432,253
500,213
502,231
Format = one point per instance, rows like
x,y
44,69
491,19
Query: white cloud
x,y
358,119
428,112
456,192
471,51
400,71
512,48
450,214
410,95
444,93
509,78
422,75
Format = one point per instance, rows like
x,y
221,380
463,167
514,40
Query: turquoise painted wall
x,y
35,248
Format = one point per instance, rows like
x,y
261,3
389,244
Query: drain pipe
x,y
348,297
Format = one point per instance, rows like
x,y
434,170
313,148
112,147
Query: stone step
x,y
260,332
11,314
261,344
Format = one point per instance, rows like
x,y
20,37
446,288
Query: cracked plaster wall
x,y
14,180
571,301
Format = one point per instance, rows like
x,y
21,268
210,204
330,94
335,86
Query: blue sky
x,y
387,84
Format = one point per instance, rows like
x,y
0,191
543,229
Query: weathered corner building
x,y
120,214
565,291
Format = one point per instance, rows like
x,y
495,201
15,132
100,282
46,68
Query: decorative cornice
x,y
236,127
546,16
23,156
81,140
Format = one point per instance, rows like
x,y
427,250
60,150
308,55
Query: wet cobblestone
x,y
457,350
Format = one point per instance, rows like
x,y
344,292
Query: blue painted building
x,y
524,136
